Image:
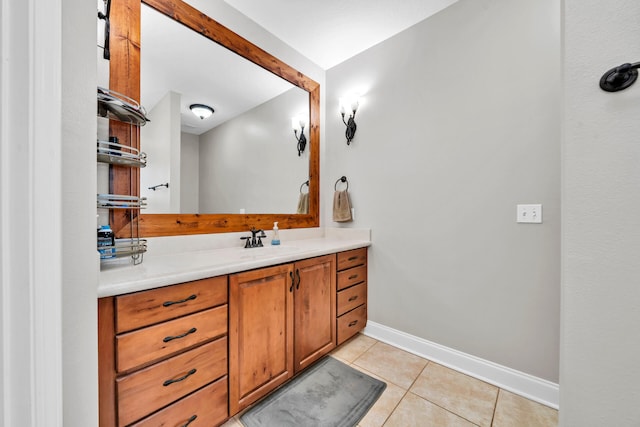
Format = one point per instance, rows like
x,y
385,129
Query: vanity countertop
x,y
162,267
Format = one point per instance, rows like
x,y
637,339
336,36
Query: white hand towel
x,y
341,206
303,203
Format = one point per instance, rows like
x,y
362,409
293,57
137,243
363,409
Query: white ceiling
x,y
177,59
325,31
330,31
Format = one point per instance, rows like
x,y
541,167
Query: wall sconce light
x,y
350,103
201,110
299,122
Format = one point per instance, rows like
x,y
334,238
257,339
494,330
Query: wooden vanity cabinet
x,y
163,352
351,298
281,319
314,309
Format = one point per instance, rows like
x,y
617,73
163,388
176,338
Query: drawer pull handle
x,y
189,298
354,323
292,281
190,420
353,298
177,380
353,258
190,331
354,276
298,274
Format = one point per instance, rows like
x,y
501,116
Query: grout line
x,y
395,407
495,406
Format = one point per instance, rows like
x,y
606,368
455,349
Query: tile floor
x,y
422,393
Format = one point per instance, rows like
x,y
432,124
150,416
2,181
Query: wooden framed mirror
x,y
124,71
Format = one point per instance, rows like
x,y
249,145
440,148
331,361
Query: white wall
x,y
189,173
163,155
460,121
600,374
79,257
252,163
47,214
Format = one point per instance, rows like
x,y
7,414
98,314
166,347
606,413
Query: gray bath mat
x,y
328,394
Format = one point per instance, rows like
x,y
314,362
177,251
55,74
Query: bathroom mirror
x,y
125,78
242,158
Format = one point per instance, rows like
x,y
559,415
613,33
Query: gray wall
x,y
600,374
252,163
460,121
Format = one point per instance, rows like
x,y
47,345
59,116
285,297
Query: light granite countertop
x,y
171,260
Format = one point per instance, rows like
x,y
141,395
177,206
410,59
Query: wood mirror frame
x,y
124,77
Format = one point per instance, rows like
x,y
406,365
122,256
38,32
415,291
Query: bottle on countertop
x,y
106,242
276,235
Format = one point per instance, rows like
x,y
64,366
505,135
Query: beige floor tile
x,y
461,394
232,422
385,404
415,411
352,349
392,364
514,410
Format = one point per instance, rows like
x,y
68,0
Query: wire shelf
x,y
134,248
116,201
119,107
118,154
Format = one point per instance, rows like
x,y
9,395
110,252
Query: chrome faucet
x,y
255,240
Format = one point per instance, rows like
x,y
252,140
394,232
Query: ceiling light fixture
x,y
201,110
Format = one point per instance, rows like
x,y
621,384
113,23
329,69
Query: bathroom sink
x,y
266,251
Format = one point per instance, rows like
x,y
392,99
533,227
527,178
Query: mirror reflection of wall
x,y
244,156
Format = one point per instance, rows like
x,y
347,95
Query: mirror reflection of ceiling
x,y
330,31
229,84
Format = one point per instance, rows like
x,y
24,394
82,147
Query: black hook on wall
x,y
619,78
341,179
154,187
106,54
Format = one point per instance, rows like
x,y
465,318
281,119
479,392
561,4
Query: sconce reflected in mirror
x,y
350,103
201,110
299,122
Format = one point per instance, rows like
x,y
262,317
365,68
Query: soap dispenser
x,y
276,236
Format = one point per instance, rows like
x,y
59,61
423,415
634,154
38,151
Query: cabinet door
x,y
314,309
260,333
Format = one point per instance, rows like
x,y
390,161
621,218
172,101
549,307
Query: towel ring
x,y
341,179
303,184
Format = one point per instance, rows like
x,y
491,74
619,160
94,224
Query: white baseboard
x,y
536,389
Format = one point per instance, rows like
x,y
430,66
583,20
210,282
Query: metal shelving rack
x,y
115,106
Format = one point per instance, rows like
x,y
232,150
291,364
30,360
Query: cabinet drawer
x,y
351,277
352,322
352,258
145,308
154,387
204,408
350,298
149,344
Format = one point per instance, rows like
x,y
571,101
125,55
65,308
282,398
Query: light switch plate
x,y
531,214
